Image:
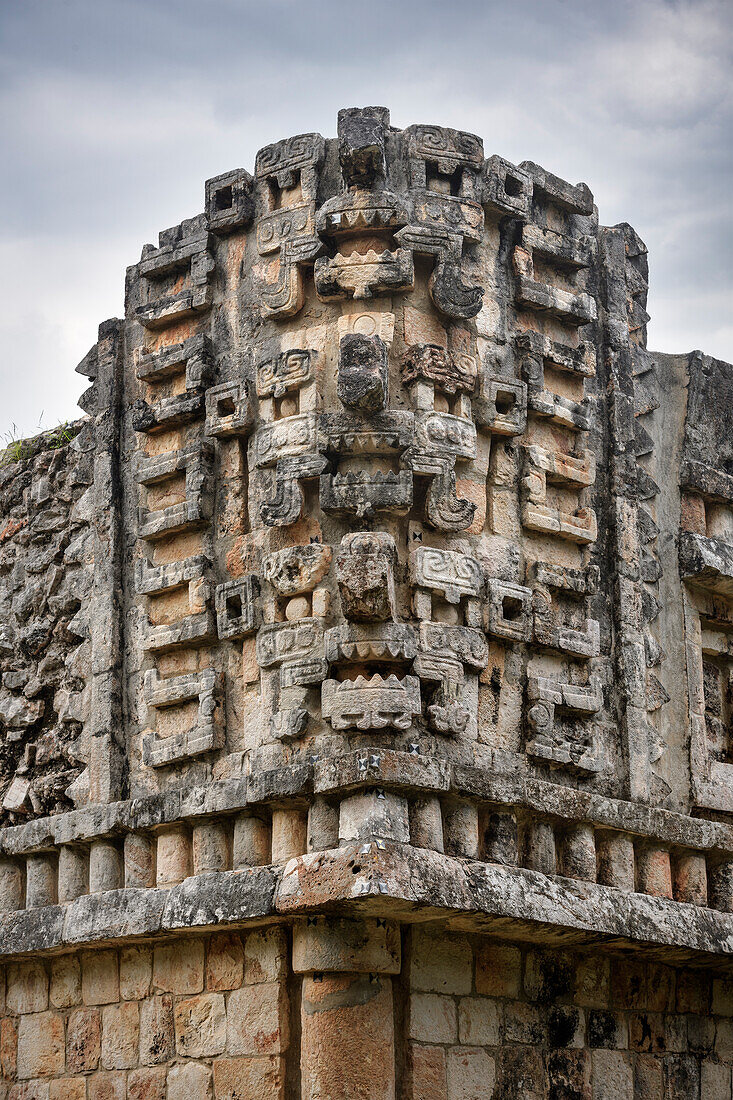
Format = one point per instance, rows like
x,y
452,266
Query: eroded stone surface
x,y
366,658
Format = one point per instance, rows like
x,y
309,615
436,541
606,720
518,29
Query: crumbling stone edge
x,y
358,770
384,880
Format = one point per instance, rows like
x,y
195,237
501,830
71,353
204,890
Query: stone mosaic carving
x,y
387,581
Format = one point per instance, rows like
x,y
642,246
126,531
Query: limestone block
x,y
266,956
323,826
715,1080
251,843
593,982
331,945
653,871
157,1038
106,870
136,970
471,1073
120,1035
139,860
210,847
578,853
73,872
9,1047
540,852
173,856
261,1077
147,1083
100,983
500,839
374,814
68,1088
289,834
616,861
612,1076
257,1020
27,987
107,1086
690,878
427,1073
225,962
426,823
191,1081
65,988
461,829
479,1022
41,1045
11,886
721,886
347,1044
200,1025
440,964
432,1018
178,968
41,880
525,1024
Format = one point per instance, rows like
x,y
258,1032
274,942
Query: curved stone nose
x,y
362,372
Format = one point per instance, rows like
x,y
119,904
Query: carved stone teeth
x,y
360,219
364,478
365,258
390,682
363,442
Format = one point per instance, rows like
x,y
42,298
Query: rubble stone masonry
x,y
366,712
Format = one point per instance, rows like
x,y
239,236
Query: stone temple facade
x,y
367,658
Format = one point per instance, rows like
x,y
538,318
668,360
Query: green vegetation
x,y
16,449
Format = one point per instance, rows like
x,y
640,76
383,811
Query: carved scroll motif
x,y
287,177
441,438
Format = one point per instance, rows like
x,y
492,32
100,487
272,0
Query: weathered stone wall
x,y
388,585
215,1016
143,1023
45,584
496,1019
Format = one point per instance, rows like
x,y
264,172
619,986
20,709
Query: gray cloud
x,y
116,112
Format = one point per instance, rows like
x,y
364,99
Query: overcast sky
x,y
114,112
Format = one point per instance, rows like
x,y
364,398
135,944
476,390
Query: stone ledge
x,y
396,882
343,773
410,884
595,809
204,901
707,562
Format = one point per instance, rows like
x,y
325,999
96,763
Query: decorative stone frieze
x,y
366,657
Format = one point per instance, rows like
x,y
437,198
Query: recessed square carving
x,y
229,410
236,607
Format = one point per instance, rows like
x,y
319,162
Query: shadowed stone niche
x,y
366,654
